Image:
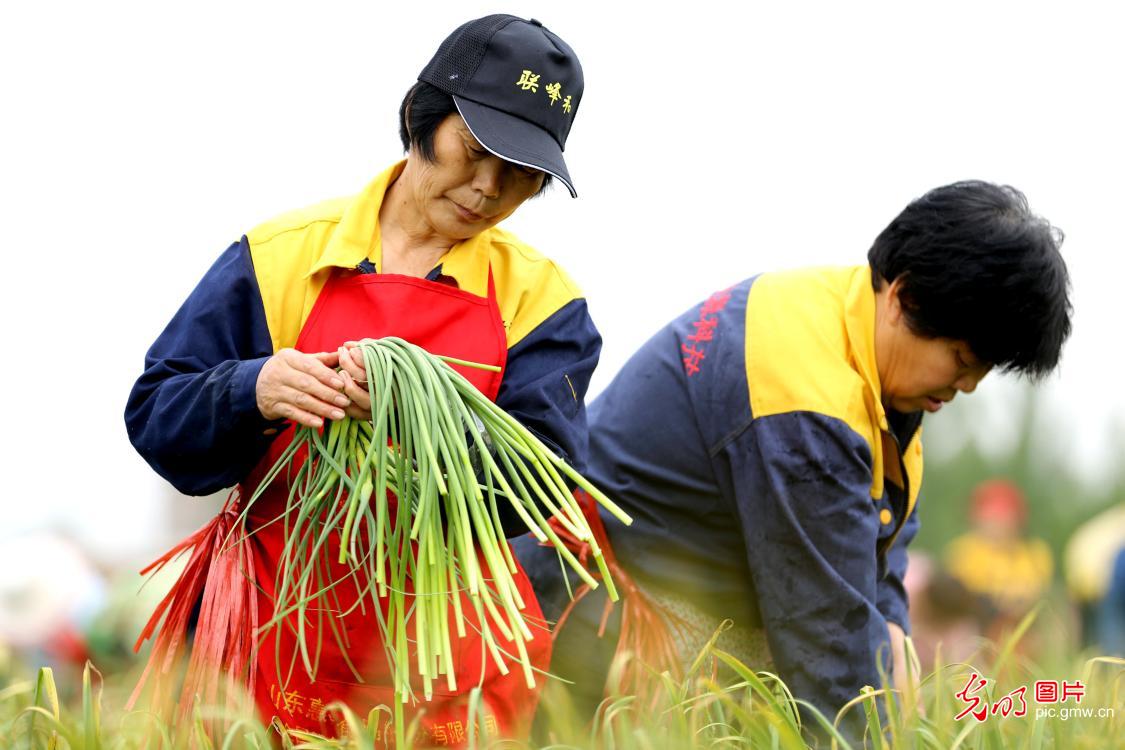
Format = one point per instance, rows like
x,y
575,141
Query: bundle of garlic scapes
x,y
411,498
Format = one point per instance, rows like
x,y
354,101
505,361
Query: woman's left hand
x,y
354,375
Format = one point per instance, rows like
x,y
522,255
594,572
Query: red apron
x,y
444,320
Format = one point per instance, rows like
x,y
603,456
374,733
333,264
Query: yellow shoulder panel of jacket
x,y
801,356
283,250
529,286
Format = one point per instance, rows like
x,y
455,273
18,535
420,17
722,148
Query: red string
x,y
645,639
219,575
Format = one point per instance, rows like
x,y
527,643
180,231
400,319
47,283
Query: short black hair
x,y
978,266
423,109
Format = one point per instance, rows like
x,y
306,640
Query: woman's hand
x,y
354,374
908,684
301,387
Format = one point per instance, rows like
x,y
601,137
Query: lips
x,y
466,214
933,404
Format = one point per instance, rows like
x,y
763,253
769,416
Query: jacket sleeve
x,y
193,412
546,377
802,491
892,600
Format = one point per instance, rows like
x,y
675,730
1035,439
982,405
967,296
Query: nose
x,y
969,380
489,176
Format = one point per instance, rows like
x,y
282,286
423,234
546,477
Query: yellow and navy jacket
x,y
193,413
748,441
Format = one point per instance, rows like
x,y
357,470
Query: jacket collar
x,y
859,319
859,315
357,238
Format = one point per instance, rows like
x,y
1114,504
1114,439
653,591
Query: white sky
x,y
714,141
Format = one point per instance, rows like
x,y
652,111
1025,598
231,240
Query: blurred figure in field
x,y
1006,571
1095,579
942,614
1111,613
50,590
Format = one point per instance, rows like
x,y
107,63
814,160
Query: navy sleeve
x,y
546,377
892,600
193,413
802,491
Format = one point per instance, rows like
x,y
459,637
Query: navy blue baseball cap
x,y
517,86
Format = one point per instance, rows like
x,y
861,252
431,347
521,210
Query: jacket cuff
x,y
244,396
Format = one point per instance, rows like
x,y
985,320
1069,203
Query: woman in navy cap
x,y
263,344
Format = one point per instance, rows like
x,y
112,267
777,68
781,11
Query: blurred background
x,y
713,142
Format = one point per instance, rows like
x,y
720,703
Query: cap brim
x,y
514,139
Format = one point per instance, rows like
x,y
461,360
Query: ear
x,y
407,110
894,302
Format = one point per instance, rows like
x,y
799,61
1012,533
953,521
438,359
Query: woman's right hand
x,y
300,387
354,374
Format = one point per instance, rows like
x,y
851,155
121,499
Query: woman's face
x,y
466,189
918,373
927,373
